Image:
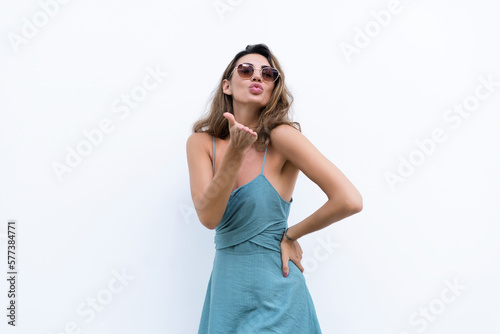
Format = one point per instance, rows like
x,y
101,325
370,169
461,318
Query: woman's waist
x,y
268,237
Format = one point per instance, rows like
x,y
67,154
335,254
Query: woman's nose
x,y
256,75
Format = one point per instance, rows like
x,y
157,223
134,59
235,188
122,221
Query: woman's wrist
x,y
289,235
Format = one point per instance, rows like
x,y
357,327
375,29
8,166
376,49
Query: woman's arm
x,y
210,194
344,199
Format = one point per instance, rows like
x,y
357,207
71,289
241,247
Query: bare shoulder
x,y
284,130
286,139
197,141
198,138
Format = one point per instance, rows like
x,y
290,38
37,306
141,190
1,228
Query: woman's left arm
x,y
344,199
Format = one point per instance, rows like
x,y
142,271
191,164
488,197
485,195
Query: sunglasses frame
x,y
253,68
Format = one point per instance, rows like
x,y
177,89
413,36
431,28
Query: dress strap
x,y
213,155
262,172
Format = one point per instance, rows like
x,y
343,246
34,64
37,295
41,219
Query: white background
x,y
126,207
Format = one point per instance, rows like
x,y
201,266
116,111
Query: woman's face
x,y
241,90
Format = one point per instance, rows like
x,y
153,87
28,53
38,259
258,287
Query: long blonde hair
x,y
276,112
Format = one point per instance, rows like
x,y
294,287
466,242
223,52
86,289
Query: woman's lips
x,y
256,90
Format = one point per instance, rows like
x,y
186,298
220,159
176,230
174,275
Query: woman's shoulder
x,y
199,139
284,127
283,134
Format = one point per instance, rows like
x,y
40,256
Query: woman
x,y
257,283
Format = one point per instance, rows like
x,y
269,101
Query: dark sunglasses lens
x,y
269,74
245,71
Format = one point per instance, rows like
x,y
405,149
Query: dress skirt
x,y
247,293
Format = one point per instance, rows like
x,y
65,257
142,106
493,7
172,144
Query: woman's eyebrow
x,y
254,65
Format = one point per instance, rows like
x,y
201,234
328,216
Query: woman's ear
x,y
225,87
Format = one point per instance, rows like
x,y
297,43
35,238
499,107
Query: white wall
x,y
121,228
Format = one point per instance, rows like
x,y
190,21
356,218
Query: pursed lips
x,y
256,88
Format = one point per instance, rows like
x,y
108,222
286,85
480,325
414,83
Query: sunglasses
x,y
246,71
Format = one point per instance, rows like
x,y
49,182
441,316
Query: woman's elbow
x,y
204,216
207,223
354,204
210,227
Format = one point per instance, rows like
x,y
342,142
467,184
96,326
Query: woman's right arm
x,y
211,194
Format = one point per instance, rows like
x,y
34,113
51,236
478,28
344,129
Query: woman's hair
x,y
274,113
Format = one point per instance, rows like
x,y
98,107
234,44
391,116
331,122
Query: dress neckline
x,y
254,179
268,182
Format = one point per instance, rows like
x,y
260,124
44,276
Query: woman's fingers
x,y
284,263
290,250
232,121
242,136
230,117
240,126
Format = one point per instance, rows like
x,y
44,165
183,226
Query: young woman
x,y
244,159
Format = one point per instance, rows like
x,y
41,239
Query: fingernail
x,y
285,274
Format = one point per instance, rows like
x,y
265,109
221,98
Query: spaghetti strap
x,y
213,155
262,172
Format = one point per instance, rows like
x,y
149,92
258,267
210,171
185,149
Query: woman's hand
x,y
242,137
290,250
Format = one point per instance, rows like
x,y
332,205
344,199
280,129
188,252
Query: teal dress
x,y
247,292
